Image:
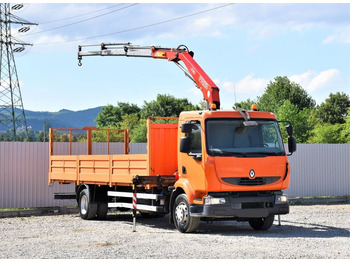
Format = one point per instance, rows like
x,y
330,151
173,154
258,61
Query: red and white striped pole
x,y
134,206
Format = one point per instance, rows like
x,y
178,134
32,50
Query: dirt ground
x,y
308,232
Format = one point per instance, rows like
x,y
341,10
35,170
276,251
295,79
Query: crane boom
x,y
193,70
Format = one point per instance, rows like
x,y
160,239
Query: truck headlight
x,y
281,199
214,201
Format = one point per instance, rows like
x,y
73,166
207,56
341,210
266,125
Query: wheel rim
x,y
181,213
83,204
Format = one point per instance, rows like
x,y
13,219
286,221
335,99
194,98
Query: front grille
x,y
245,181
250,205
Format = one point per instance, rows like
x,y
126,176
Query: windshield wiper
x,y
263,154
230,153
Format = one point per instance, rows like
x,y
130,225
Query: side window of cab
x,y
196,144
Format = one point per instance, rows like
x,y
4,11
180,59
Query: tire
x,y
87,209
183,221
102,210
262,223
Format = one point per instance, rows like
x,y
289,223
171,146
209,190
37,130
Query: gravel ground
x,y
308,232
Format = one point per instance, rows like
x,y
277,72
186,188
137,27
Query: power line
x,y
138,28
67,18
81,21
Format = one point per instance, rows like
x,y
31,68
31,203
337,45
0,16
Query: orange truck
x,y
211,165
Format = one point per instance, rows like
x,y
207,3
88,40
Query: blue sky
x,y
242,47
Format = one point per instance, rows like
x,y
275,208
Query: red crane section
x,y
193,70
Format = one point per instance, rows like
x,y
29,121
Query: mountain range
x,y
62,119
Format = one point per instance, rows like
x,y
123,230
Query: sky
x,y
241,46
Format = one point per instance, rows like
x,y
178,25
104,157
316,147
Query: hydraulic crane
x,y
181,53
210,165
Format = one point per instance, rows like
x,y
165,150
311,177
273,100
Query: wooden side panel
x,y
94,169
125,167
98,169
62,168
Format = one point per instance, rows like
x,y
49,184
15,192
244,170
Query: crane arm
x,y
193,70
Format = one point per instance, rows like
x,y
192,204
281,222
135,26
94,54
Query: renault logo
x,y
251,173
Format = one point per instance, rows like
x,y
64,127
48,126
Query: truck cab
x,y
231,164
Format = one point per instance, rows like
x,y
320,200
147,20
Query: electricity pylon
x,y
12,115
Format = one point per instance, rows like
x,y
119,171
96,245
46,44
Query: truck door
x,y
191,168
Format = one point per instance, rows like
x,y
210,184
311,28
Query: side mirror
x,y
186,128
289,130
292,144
185,144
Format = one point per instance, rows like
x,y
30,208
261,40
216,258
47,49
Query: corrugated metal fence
x,y
24,169
317,170
320,170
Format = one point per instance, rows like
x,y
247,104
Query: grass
x,y
318,200
316,197
17,209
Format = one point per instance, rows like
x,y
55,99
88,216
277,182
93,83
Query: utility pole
x,y
44,131
12,115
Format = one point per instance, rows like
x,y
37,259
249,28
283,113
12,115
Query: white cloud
x,y
208,24
340,36
261,20
195,91
247,85
263,30
303,79
265,20
323,79
312,81
203,22
44,39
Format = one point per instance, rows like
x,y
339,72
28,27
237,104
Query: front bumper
x,y
242,207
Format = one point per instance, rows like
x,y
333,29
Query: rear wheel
x,y
262,223
87,209
184,222
102,210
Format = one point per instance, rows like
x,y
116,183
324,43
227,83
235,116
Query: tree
x,y
326,134
166,106
334,109
126,108
139,134
245,104
282,89
132,123
111,116
129,121
345,133
298,118
31,136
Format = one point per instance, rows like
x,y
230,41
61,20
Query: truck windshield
x,y
229,137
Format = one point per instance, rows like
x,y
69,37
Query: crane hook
x,y
79,59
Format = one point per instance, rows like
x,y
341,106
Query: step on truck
x,y
209,165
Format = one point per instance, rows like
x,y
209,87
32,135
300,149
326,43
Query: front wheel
x,y
262,223
184,222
